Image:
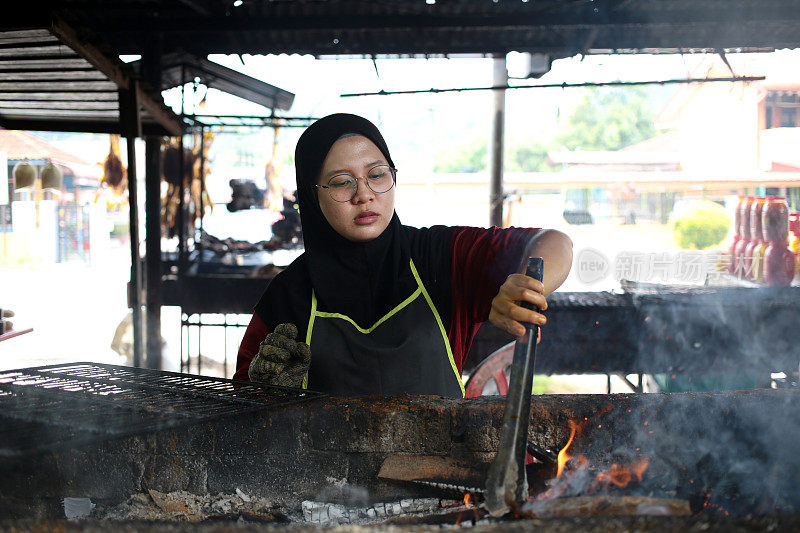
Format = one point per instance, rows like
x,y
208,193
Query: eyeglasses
x,y
343,187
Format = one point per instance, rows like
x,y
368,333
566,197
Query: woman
x,y
385,308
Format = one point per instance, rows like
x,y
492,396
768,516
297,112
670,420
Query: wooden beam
x,y
130,121
66,115
69,36
38,38
75,105
115,72
131,128
53,76
43,64
66,85
44,51
151,72
24,34
83,126
576,17
161,114
136,260
61,96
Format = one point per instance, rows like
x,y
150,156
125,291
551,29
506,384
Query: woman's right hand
x,y
281,360
508,314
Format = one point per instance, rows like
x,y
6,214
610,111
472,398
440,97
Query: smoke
x,y
339,491
724,452
717,331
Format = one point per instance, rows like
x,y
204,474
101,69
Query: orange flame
x,y
563,456
620,476
468,503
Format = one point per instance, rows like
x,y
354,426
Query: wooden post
x,y
181,218
131,127
151,70
152,208
496,196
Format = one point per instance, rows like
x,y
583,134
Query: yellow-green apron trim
x,y
420,290
441,328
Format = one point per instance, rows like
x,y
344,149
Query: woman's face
x,y
367,214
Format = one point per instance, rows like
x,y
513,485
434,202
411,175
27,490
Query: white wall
x,y
719,130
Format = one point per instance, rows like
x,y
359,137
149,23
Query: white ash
x,y
184,506
332,514
77,507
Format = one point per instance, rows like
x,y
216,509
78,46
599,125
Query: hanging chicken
x,y
113,172
171,157
274,196
197,193
114,183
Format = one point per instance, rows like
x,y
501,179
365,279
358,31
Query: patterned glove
x,y
281,360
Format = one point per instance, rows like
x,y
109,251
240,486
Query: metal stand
x,y
194,325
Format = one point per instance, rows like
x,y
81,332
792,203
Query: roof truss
x,y
53,79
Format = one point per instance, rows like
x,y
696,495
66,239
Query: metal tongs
x,y
506,483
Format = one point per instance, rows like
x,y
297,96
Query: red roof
x,y
24,145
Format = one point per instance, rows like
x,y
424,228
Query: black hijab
x,y
363,280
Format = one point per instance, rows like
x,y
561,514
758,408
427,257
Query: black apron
x,y
405,352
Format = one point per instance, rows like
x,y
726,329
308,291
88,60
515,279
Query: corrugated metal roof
x,y
47,85
444,27
180,68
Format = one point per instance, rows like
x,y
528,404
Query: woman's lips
x,y
366,218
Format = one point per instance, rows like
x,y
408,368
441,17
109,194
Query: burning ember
x,y
470,509
582,489
621,476
563,456
579,477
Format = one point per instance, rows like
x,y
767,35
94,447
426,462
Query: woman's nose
x,y
363,192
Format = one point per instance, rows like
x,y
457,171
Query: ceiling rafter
x,y
113,69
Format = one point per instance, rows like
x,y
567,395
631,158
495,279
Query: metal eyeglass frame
x,y
366,180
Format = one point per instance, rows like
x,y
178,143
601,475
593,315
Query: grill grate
x,y
50,408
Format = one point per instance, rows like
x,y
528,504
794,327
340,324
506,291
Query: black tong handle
x,y
506,484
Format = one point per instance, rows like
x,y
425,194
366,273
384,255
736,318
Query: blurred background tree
x,y
527,155
470,156
605,118
608,118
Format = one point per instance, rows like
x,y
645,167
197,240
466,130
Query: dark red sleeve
x,y
255,333
482,259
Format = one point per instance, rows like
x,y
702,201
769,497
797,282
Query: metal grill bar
x,y
54,407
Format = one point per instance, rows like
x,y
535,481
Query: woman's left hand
x,y
507,313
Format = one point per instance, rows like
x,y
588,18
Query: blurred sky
x,y
417,126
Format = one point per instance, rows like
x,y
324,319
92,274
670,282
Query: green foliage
x,y
472,156
120,229
605,119
608,119
541,384
701,224
528,155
